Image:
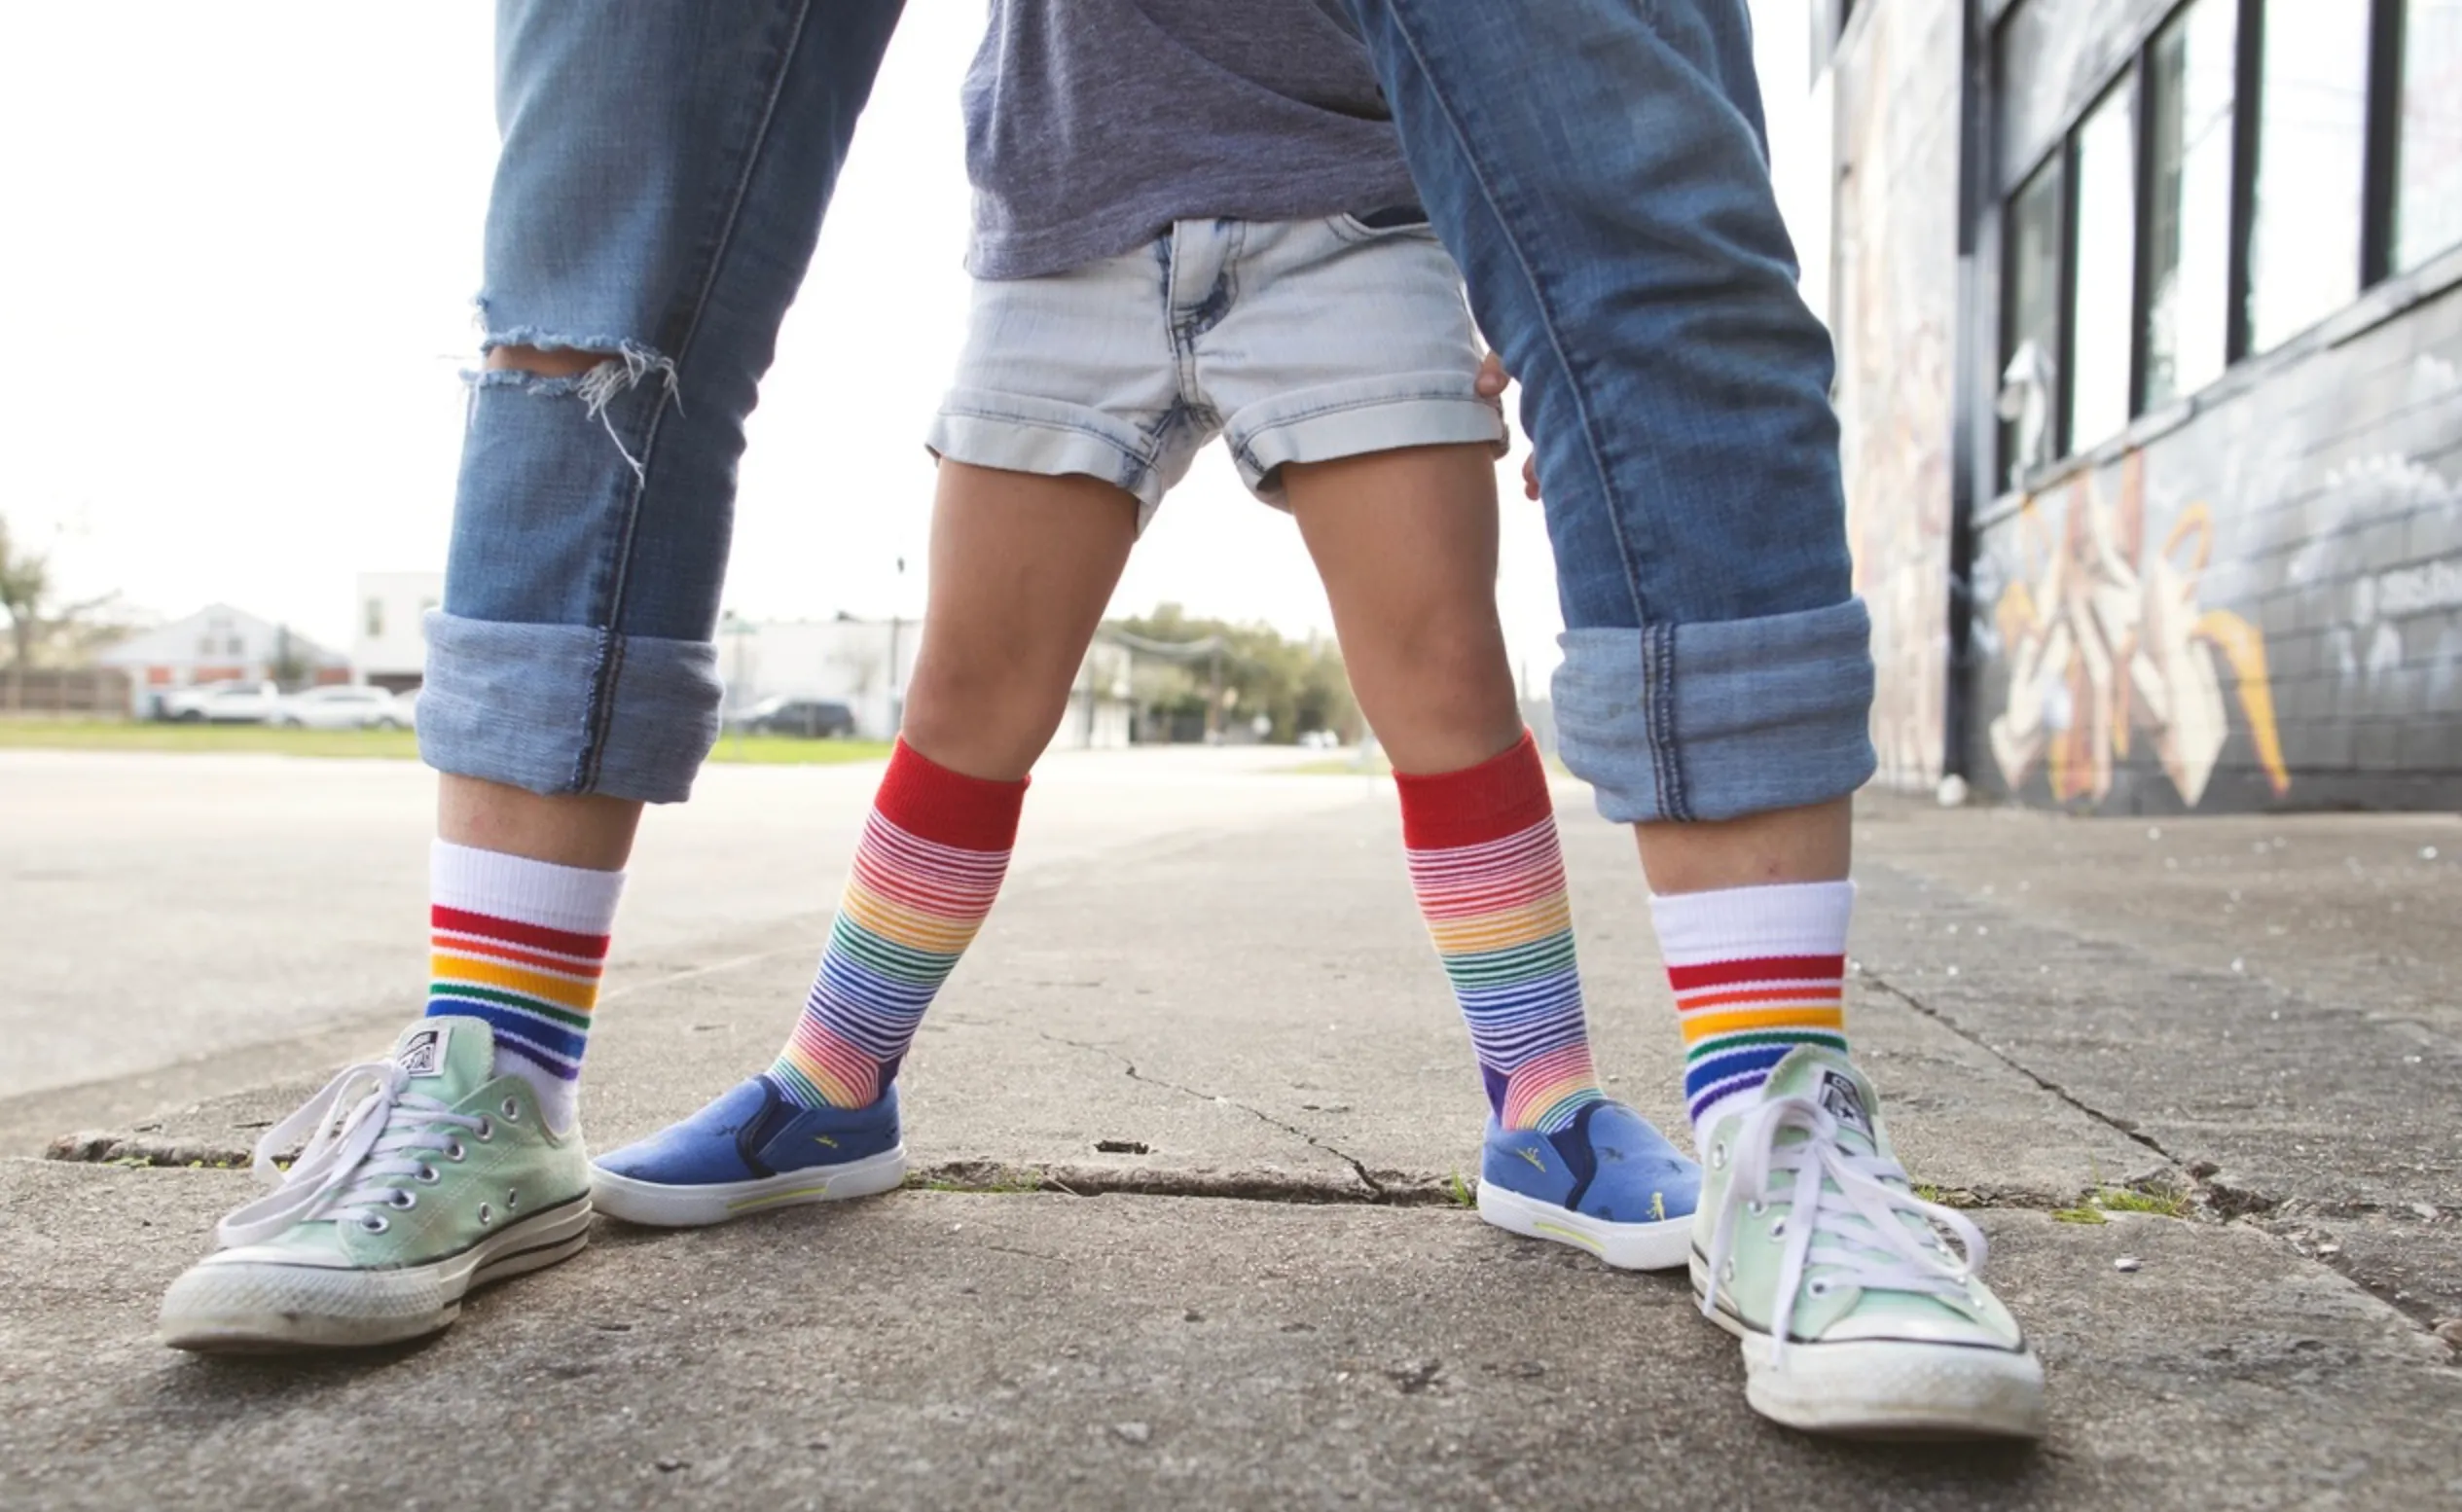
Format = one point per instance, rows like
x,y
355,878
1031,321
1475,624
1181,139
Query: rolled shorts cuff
x,y
1719,720
567,708
1021,433
1355,419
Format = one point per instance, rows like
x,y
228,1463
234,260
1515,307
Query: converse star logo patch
x,y
1844,1102
423,1051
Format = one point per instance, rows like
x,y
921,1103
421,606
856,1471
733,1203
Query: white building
x,y
388,644
219,643
866,664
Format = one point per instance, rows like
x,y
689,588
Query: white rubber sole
x,y
1889,1388
1661,1246
261,1308
659,1206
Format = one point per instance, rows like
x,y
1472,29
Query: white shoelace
x,y
349,1169
1846,1212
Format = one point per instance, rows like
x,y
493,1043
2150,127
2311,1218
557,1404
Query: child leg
x,y
1021,568
1022,565
1406,544
1405,541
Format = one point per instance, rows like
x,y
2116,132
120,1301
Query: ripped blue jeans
x,y
658,197
665,170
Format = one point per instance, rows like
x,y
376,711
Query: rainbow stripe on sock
x,y
1490,875
535,986
1741,1016
910,911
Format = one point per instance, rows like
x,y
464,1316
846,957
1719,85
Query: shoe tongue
x,y
1825,1077
447,1058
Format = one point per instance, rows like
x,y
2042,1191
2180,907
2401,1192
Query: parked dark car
x,y
812,718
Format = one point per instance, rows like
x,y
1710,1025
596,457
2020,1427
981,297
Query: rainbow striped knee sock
x,y
929,864
1756,971
521,944
1490,876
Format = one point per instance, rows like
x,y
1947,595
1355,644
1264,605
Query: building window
x,y
2428,204
2030,341
2105,261
374,623
2190,85
2304,250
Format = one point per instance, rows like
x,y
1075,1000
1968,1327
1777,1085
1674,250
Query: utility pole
x,y
1214,701
898,692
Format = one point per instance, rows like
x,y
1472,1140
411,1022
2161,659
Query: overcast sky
x,y
243,241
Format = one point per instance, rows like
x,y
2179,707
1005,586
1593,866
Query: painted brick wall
x,y
1896,283
2260,608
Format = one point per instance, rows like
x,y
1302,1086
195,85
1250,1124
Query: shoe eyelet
x,y
486,1214
486,1131
456,1151
429,1175
512,1198
511,1110
1726,1272
402,1198
1718,1156
1756,1207
1818,1287
1778,1230
375,1223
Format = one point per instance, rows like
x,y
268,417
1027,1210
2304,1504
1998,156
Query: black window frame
x,y
2056,162
2381,181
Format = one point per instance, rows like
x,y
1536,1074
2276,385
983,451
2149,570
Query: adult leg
x,y
1022,565
659,191
1624,249
1405,541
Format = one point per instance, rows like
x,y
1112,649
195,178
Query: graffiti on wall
x,y
2108,645
2260,606
1897,243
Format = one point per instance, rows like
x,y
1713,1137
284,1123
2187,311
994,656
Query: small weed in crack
x,y
2100,1202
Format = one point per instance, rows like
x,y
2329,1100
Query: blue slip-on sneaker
x,y
1610,1184
749,1151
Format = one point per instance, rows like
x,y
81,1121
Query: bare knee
x,y
546,362
1440,699
983,718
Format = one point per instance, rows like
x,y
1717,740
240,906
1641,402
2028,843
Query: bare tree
x,y
25,588
25,581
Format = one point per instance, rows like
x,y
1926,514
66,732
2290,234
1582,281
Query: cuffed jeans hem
x,y
1719,720
566,709
1021,434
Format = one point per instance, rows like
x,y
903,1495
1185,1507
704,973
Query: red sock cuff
x,y
1503,795
928,801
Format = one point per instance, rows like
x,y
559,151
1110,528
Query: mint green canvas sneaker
x,y
1856,1318
423,1175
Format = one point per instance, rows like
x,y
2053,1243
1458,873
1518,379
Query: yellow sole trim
x,y
773,1199
1569,1236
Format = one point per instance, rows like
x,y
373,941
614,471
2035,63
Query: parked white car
x,y
342,708
220,704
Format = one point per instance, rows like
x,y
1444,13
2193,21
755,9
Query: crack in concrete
x,y
2116,1123
1378,1191
2214,1198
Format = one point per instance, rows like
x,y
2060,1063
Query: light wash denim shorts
x,y
1294,341
665,173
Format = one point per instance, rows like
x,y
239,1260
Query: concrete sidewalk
x,y
1189,1119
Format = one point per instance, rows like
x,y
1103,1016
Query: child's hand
x,y
1493,380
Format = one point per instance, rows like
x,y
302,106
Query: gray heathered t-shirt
x,y
1092,125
